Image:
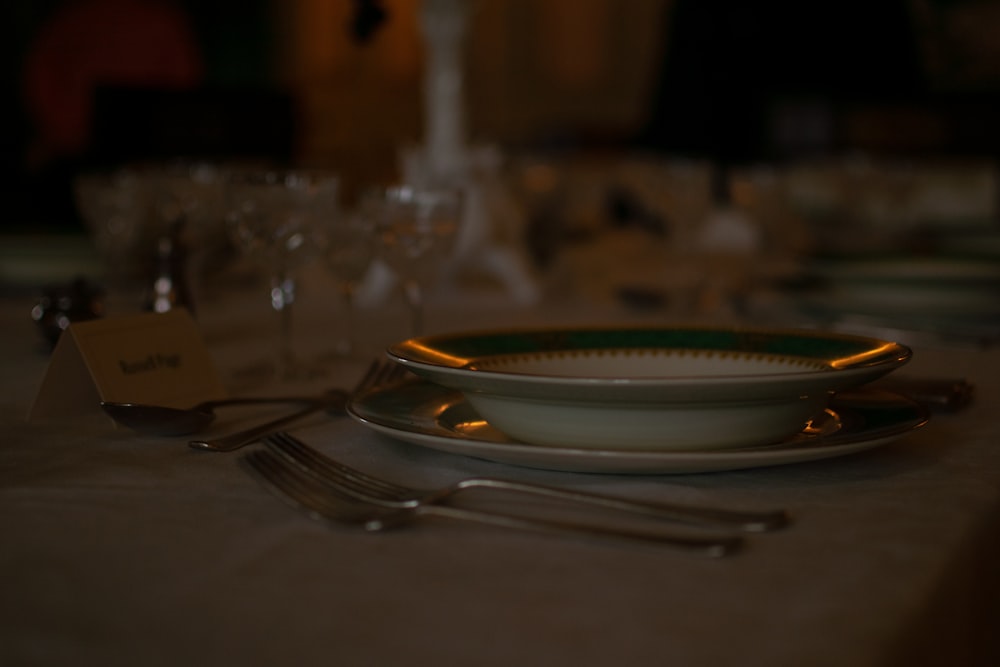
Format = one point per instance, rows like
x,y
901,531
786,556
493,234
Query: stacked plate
x,y
642,400
955,298
904,286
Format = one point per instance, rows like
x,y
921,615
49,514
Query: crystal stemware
x,y
348,247
415,231
275,216
114,206
134,210
187,200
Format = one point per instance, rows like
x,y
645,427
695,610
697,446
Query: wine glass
x,y
348,247
275,216
415,231
132,210
187,205
114,206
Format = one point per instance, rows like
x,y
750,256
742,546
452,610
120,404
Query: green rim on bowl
x,y
830,350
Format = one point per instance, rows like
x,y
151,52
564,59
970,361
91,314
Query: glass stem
x,y
282,298
347,344
415,298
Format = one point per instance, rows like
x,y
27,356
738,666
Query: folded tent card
x,y
152,358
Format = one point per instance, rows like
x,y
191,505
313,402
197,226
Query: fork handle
x,y
748,521
248,436
711,545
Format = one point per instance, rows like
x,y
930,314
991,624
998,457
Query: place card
x,y
154,358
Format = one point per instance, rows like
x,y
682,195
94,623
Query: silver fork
x,y
378,374
324,501
372,489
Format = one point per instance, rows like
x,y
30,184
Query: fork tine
x,y
288,487
317,500
380,372
367,379
315,462
390,372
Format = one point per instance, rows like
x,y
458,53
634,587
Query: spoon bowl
x,y
166,421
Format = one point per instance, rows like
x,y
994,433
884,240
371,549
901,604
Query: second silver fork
x,y
371,489
323,501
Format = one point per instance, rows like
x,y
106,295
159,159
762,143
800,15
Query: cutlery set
x,y
330,491
365,487
339,498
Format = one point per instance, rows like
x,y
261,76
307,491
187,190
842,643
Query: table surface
x,y
123,550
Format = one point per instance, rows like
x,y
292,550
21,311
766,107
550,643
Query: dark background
x,y
738,81
237,44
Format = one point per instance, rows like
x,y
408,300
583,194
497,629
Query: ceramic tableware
x,y
434,417
655,389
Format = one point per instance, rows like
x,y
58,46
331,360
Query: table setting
x,y
660,421
505,409
679,479
665,398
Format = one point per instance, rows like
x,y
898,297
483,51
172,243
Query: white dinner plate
x,y
433,416
676,388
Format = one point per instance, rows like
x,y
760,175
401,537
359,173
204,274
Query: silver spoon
x,y
162,420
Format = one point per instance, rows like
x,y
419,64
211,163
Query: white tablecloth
x,y
126,550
